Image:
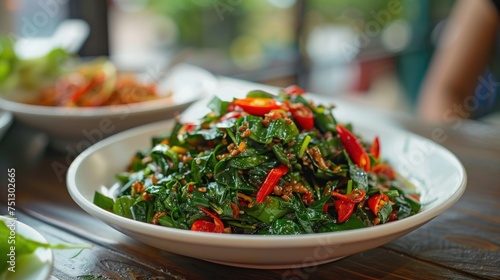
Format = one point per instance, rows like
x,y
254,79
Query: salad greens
x,y
16,72
56,80
263,164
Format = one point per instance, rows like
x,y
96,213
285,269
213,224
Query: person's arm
x,y
463,53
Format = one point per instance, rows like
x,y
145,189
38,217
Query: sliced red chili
x,y
190,127
303,115
80,91
294,90
413,196
230,107
344,204
272,178
377,201
393,216
257,106
375,148
325,208
204,226
307,198
384,168
354,196
218,224
231,115
235,209
344,209
353,148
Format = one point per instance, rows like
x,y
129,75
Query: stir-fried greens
x,y
263,164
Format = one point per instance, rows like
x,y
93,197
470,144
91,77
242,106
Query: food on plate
x,y
263,164
96,83
55,79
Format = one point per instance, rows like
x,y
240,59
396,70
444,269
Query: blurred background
x,y
374,52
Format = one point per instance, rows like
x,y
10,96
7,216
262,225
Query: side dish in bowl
x,y
291,196
94,84
77,103
75,128
263,164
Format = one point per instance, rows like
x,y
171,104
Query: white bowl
x,y
35,266
75,129
436,172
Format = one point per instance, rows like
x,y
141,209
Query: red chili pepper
x,y
344,209
377,201
230,107
307,198
204,226
344,204
413,196
236,210
79,92
375,148
353,147
384,168
354,196
218,224
257,106
231,115
303,115
272,178
393,216
325,208
189,127
294,90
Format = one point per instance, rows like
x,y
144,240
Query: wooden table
x,y
461,243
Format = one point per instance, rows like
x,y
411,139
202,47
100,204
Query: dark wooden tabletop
x,y
461,243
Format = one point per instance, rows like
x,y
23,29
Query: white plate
x,y
74,129
35,266
437,173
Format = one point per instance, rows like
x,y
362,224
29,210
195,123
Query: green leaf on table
x,y
23,245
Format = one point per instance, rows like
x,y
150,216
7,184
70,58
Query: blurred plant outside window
x,y
351,45
233,37
225,36
332,46
343,46
374,52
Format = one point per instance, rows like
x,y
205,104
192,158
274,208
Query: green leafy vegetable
x,y
103,201
261,174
